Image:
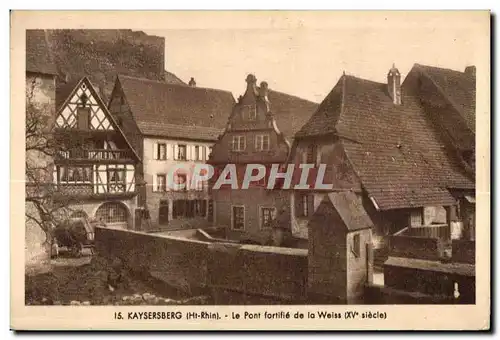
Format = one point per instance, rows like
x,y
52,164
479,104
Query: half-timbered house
x,y
95,165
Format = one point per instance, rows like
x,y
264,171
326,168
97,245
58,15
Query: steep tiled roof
x,y
325,117
394,149
179,131
344,206
290,112
458,87
38,54
177,108
173,79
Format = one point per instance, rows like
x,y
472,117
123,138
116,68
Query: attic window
x,y
249,112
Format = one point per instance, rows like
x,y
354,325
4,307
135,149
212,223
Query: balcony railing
x,y
95,154
90,189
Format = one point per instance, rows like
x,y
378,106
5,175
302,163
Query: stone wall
x,y
432,278
463,251
192,266
416,247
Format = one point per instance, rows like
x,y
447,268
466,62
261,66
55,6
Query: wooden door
x,y
163,212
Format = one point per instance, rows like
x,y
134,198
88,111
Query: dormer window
x,y
249,112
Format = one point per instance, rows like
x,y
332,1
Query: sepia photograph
x,y
253,165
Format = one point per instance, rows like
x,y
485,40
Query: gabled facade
x,y
171,126
259,131
402,146
95,165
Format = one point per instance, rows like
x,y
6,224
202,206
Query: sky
x,y
307,62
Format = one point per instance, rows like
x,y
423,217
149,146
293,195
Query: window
x,y
161,182
303,205
239,143
75,175
267,215
116,180
189,208
181,152
249,112
356,245
262,142
161,152
200,185
238,217
198,155
112,213
180,182
416,218
311,154
209,152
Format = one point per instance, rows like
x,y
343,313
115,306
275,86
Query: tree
x,y
41,148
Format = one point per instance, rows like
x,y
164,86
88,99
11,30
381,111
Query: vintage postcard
x,y
280,170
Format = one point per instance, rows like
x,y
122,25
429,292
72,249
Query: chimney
x,y
471,71
394,85
263,90
251,81
192,83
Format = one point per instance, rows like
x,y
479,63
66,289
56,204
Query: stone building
x,y
405,148
171,126
259,130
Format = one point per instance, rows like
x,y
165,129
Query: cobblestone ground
x,y
91,280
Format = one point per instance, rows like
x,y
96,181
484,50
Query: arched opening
x,y
113,214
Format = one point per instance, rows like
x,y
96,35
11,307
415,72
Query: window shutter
x,y
168,151
154,183
188,181
168,182
155,151
299,208
310,203
176,152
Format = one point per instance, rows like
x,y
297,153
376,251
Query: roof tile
x,y
177,108
395,150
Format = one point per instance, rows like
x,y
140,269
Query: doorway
x,y
163,212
